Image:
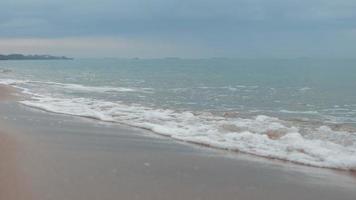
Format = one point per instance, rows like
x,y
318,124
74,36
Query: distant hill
x,y
32,57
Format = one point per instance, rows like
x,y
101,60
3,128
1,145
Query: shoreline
x,y
9,93
351,171
76,158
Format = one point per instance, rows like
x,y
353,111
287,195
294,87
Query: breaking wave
x,y
74,87
260,135
319,145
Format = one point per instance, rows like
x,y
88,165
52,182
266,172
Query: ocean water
x,y
299,110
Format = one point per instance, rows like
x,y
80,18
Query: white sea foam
x,y
78,87
11,81
261,135
305,89
231,88
96,89
74,87
310,112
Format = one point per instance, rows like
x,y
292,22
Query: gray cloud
x,y
229,27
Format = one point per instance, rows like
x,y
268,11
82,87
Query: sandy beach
x,y
12,182
7,93
56,157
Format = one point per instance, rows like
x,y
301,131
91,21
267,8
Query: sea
x,y
300,110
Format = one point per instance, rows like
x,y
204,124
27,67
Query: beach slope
x,y
64,157
12,180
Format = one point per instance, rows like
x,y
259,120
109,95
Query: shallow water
x,y
301,110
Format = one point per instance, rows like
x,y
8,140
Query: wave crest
x,y
260,135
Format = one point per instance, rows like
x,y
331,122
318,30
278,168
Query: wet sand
x,y
12,181
8,93
73,158
14,184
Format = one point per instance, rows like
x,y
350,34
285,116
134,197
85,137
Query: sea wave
x,y
74,87
12,82
308,112
260,135
78,87
5,71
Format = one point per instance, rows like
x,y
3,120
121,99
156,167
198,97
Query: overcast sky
x,y
184,28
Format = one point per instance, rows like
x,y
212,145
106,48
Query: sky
x,y
179,28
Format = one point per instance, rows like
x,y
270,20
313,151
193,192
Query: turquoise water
x,y
209,101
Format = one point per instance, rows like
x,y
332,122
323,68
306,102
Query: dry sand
x,y
57,157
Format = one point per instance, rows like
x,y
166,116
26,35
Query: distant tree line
x,y
32,57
